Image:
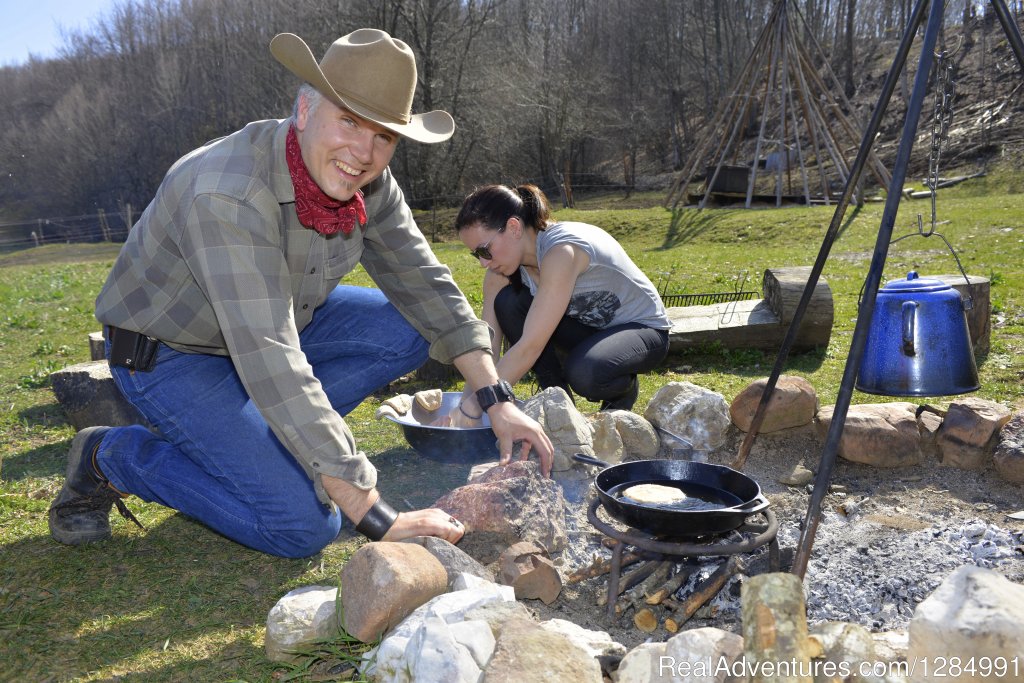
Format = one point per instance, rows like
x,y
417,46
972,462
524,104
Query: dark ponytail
x,y
493,205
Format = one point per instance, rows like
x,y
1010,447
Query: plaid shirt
x,y
219,263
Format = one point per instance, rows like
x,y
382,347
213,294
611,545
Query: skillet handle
x,y
753,505
589,460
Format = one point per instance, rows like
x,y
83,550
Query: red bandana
x,y
316,210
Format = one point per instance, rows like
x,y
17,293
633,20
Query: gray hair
x,y
312,95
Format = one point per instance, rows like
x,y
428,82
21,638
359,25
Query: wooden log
x,y
671,625
645,620
775,628
634,597
783,288
979,316
670,586
97,346
629,580
760,323
602,565
708,589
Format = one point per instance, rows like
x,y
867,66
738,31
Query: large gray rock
x,y
594,643
568,429
698,415
623,435
607,443
90,398
699,655
454,560
843,648
526,652
445,640
975,613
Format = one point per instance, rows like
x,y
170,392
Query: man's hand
x,y
512,425
429,522
354,503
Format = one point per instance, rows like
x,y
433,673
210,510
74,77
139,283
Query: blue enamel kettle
x,y
918,342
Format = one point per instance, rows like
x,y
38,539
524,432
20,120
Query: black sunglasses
x,y
484,250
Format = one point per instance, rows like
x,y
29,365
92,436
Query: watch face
x,y
505,391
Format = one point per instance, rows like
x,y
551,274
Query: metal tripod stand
x,y
874,276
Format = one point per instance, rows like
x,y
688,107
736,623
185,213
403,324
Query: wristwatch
x,y
495,393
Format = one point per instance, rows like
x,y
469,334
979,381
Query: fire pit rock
x,y
622,434
568,429
975,614
393,580
1009,455
685,410
506,505
878,434
454,560
526,652
688,657
793,404
966,438
527,568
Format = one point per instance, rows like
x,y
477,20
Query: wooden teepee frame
x,y
803,126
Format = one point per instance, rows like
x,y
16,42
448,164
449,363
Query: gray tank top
x,y
612,290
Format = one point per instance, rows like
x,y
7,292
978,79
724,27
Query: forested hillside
x,y
610,93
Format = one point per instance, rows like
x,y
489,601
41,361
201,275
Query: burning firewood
x,y
671,586
603,565
645,620
634,598
706,590
629,580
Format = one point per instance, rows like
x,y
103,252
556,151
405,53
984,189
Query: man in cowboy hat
x,y
226,328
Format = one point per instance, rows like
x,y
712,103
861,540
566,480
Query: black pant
x,y
600,365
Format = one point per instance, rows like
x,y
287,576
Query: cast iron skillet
x,y
723,497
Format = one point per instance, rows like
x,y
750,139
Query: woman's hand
x,y
429,522
512,426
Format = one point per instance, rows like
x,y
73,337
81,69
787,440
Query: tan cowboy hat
x,y
369,73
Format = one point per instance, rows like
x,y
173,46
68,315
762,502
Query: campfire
x,y
656,578
557,557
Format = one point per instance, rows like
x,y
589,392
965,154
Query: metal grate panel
x,y
671,300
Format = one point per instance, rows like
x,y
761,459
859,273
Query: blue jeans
x,y
215,459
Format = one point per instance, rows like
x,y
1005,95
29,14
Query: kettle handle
x,y
909,323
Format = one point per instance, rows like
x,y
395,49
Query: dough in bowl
x,y
430,399
656,494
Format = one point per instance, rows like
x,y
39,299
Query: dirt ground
x,y
886,539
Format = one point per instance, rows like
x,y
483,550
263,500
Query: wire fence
x,y
94,227
104,226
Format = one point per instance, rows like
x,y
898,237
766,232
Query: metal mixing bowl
x,y
447,444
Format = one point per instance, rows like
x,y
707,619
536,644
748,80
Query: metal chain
x,y
942,115
945,92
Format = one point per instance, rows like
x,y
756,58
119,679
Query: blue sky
x,y
34,25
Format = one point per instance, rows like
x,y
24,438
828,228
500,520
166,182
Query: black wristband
x,y
377,520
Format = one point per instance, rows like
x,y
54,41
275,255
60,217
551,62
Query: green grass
x,y
178,602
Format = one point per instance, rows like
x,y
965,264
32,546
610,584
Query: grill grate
x,y
671,300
